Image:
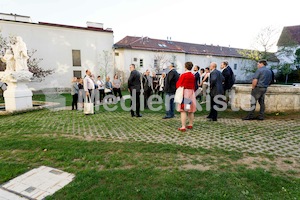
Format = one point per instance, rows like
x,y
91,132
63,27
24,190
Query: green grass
x,y
107,168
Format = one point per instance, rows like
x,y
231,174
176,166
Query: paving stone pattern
x,y
274,137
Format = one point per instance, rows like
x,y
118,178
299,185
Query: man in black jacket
x,y
197,79
170,89
229,79
134,87
148,87
216,89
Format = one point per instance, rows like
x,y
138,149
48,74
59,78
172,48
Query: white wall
x,y
55,44
126,57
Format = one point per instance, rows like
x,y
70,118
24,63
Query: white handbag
x,y
178,95
106,90
88,107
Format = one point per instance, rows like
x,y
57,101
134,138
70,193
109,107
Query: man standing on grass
x,y
197,79
170,89
88,85
261,81
229,79
216,89
134,87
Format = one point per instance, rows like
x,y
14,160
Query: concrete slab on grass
x,y
36,184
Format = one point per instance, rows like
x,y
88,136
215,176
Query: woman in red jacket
x,y
187,81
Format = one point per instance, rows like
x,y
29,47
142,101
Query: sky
x,y
234,23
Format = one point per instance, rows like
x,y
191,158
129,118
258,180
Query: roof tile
x,y
290,35
146,43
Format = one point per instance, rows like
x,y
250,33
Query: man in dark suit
x,y
216,89
229,78
170,89
197,78
147,82
134,87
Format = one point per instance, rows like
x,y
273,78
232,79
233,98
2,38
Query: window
x,y
235,67
162,45
77,74
76,57
141,62
116,54
155,63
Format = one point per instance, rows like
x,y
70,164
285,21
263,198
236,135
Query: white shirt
x,y
204,74
161,83
88,83
101,84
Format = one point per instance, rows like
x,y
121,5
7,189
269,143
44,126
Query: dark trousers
x,y
74,101
161,93
135,102
101,95
258,94
117,91
213,114
169,103
110,98
147,94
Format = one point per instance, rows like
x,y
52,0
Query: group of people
x,y
94,89
210,81
152,85
218,82
191,82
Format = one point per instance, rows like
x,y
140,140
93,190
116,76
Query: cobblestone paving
x,y
275,137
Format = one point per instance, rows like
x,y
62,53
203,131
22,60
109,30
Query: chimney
x,y
94,25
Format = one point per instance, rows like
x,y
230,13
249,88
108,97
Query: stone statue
x,y
20,54
16,63
17,96
8,58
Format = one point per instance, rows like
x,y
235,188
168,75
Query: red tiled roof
x,y
146,43
290,35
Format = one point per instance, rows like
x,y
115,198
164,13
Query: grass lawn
x,y
114,156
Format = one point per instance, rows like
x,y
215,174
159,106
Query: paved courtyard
x,y
270,137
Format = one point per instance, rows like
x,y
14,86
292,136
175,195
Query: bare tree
x,y
106,63
264,41
160,60
33,66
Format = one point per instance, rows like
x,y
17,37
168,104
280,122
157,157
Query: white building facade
x,y
147,54
68,50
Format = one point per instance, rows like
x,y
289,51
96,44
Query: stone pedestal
x,y
17,96
279,98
